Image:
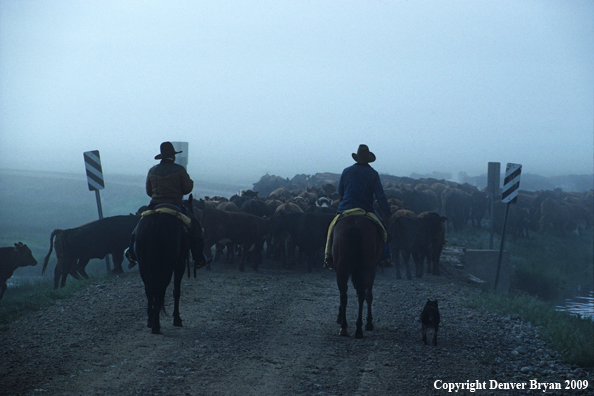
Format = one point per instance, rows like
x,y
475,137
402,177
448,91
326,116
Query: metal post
x,y
501,248
493,178
100,209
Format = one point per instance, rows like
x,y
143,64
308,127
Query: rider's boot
x,y
328,262
130,255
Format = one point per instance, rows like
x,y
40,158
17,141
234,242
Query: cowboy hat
x,y
167,151
363,156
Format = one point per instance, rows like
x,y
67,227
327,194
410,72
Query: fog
x,y
291,87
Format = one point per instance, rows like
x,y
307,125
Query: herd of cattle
x,y
292,225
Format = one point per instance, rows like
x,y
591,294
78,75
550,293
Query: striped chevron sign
x,y
94,172
511,183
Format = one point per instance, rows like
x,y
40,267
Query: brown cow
x,y
12,258
555,215
456,207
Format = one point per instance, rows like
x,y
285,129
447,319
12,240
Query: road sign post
x,y
493,178
511,185
96,183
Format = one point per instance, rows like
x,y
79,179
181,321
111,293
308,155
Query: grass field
x,y
545,267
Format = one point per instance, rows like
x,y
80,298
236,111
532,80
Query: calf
x,y
12,258
430,320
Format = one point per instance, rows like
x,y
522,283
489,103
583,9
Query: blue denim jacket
x,y
357,186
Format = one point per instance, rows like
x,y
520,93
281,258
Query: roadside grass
x,y
569,334
544,267
27,297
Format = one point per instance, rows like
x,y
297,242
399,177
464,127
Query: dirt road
x,y
273,332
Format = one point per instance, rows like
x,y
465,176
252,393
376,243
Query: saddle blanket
x,y
186,219
359,212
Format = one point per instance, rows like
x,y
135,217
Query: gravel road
x,y
274,332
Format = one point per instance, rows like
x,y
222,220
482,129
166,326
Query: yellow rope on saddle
x,y
187,221
352,212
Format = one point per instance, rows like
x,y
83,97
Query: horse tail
x,y
159,304
53,234
355,255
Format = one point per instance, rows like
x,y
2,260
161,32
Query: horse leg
x,y
361,298
177,278
342,288
158,300
150,307
369,299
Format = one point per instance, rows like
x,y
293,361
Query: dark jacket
x,y
357,186
168,182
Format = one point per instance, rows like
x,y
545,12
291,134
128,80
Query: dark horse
x,y
162,244
356,250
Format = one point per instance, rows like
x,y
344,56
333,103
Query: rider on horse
x,y
167,183
358,185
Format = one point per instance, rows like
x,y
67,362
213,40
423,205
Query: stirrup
x,y
205,261
130,256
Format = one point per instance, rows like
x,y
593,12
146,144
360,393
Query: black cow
x,y
12,258
456,205
435,227
77,246
257,207
238,228
308,231
409,237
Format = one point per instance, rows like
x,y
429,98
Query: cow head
x,y
24,254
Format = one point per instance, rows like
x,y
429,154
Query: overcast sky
x,y
290,87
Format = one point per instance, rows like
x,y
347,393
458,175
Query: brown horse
x,y
356,250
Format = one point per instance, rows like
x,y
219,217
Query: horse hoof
x,y
359,334
177,323
156,331
118,271
369,327
344,333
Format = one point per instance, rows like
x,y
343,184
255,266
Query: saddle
x,y
169,209
359,212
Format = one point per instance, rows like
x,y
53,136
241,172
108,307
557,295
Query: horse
x,y
356,249
161,246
